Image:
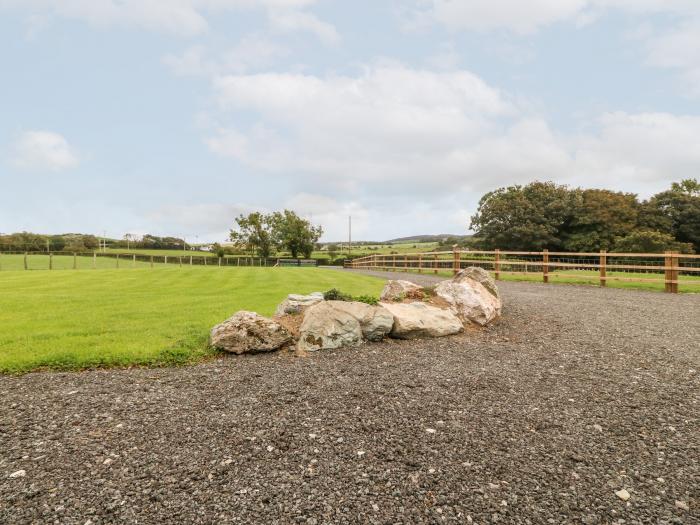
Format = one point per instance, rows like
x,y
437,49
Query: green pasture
x,y
74,320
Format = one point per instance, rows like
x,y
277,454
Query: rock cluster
x,y
403,313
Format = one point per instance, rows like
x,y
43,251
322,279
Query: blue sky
x,y
173,116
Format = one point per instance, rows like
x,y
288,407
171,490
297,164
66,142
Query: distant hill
x,y
426,238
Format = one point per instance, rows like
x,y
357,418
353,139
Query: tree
x,y
530,217
599,217
676,211
294,234
255,232
648,241
333,250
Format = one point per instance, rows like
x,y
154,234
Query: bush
x,y
336,295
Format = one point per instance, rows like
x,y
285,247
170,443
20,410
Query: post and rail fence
x,y
101,260
672,269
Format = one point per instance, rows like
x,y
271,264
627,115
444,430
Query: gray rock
x,y
414,320
399,290
296,303
249,332
481,276
327,326
376,322
470,300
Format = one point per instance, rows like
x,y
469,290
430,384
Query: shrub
x,y
336,295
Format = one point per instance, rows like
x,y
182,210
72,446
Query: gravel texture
x,y
575,395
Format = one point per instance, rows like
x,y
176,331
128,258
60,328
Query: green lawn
x,y
73,320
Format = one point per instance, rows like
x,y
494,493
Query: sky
x,y
172,117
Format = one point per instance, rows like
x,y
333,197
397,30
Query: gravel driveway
x,y
576,394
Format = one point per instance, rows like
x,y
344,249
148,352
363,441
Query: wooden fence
x,y
95,260
670,268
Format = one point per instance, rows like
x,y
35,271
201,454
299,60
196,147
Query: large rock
x,y
414,320
326,327
400,290
249,332
470,300
479,275
296,304
375,321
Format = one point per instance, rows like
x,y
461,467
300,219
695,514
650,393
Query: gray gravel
x,y
576,394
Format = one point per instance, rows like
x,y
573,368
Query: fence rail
x,y
670,268
101,260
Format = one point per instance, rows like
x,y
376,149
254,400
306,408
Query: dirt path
x,y
576,394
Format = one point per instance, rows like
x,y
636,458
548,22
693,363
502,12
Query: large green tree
x,y
255,232
294,234
599,218
530,217
676,211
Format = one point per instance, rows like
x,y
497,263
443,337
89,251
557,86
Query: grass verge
x,y
75,320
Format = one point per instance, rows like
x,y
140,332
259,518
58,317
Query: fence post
x,y
179,260
405,263
26,265
75,261
190,260
674,272
420,263
603,263
50,261
94,260
117,260
497,264
219,262
668,286
435,264
151,261
166,259
393,262
133,261
545,266
455,259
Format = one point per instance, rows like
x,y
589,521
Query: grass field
x,y
73,320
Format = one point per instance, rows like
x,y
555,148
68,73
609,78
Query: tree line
x,y
35,242
544,215
265,234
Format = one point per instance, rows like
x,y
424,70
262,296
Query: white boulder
x,y
296,303
375,321
249,332
414,320
479,275
399,290
326,327
470,300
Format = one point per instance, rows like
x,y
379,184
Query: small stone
x,y
431,471
270,448
360,453
430,430
597,428
375,507
623,494
227,462
18,474
107,461
312,436
682,505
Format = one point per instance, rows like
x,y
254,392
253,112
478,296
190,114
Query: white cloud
x,y
252,53
43,151
679,48
528,17
180,17
293,20
392,131
390,123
